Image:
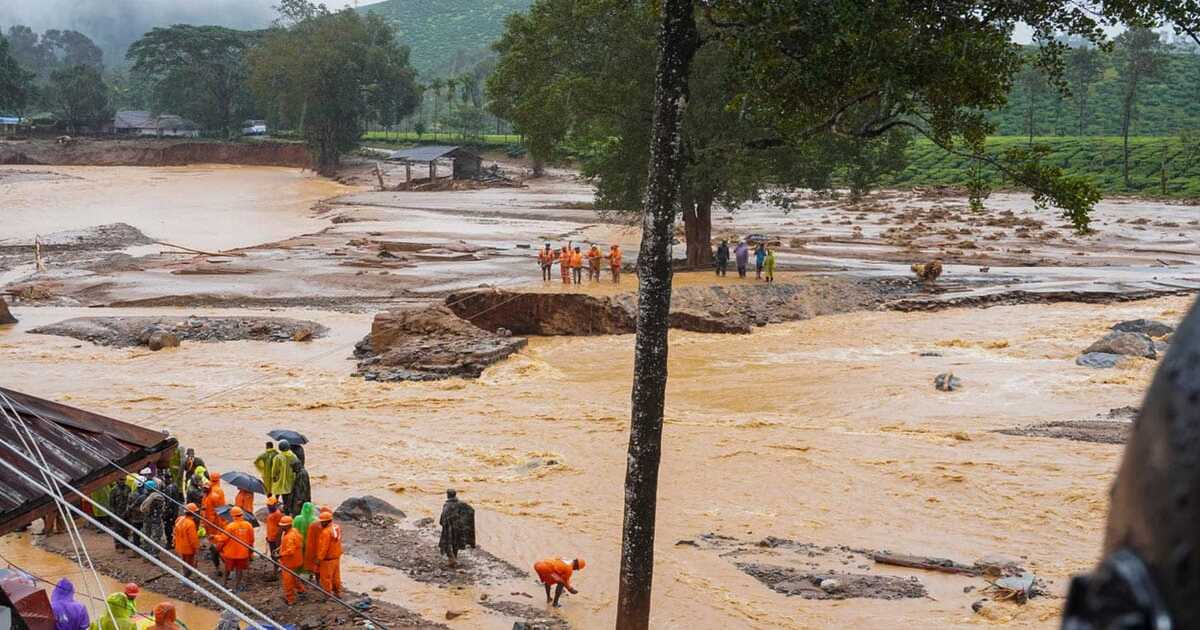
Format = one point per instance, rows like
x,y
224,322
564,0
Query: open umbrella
x,y
244,481
223,512
293,437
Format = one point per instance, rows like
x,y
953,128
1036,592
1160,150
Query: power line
x,y
137,549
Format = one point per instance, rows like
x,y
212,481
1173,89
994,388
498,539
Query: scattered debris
x,y
947,382
928,272
160,339
124,332
1017,588
1149,327
925,563
793,582
1096,431
1098,360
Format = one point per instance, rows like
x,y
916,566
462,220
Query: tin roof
x,y
138,119
429,153
80,452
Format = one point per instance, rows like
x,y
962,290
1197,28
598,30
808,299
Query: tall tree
x,y
436,86
80,96
677,43
15,82
72,48
1142,59
1034,88
198,72
1085,66
327,73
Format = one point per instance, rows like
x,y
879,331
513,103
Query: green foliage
x,y
52,50
1096,158
198,72
15,82
80,96
442,31
328,73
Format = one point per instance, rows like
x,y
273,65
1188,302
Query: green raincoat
x,y
263,464
307,516
282,475
121,608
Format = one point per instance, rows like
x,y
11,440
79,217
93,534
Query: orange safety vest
x,y
242,531
187,539
545,256
594,257
291,550
614,257
329,545
576,260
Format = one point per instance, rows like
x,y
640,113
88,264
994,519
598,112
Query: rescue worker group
x,y
300,537
570,261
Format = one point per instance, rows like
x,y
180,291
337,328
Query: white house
x,y
142,123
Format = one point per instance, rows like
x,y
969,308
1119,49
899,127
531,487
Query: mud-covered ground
x,y
124,332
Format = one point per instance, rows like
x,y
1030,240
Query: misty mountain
x,y
114,24
444,35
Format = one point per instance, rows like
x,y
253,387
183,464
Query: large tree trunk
x,y
697,227
677,41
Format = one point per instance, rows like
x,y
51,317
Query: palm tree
x,y
436,85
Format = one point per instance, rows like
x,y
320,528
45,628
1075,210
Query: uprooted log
x,y
197,251
926,563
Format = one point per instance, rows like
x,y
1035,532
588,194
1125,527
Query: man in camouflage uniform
x,y
118,503
151,509
170,513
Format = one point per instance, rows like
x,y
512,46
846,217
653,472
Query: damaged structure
x,y
465,164
79,446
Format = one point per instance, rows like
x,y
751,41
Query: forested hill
x,y
438,31
1166,105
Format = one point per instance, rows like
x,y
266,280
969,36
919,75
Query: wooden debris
x,y
926,563
197,251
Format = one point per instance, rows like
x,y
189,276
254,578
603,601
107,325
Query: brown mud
x,y
124,332
311,612
792,582
1098,431
153,152
413,549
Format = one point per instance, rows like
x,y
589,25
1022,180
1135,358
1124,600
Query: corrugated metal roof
x,y
428,153
138,119
80,452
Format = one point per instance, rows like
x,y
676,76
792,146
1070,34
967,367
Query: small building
x,y
79,446
143,123
465,164
9,124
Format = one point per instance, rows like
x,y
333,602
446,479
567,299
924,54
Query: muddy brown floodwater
x,y
823,433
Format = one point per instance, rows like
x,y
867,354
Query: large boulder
x,y
1125,343
1145,326
160,339
366,508
5,316
1098,360
429,343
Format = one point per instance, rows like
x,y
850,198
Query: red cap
x,y
132,590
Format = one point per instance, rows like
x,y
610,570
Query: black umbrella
x,y
244,481
223,512
292,437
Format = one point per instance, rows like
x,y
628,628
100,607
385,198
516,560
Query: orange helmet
x,y
214,476
272,501
285,521
192,507
579,564
326,516
235,511
132,590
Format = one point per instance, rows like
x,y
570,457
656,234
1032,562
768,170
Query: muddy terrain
x,y
152,152
124,332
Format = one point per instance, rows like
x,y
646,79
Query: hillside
x,y
1096,157
1165,106
439,31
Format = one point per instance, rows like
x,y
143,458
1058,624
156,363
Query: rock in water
x,y
1127,343
947,382
5,316
1098,360
160,339
830,585
365,509
1145,326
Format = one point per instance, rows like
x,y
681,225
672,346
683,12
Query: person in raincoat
x,y
262,464
274,531
68,613
152,507
174,498
760,258
301,523
555,572
118,502
214,499
329,554
301,489
245,500
291,556
282,473
722,257
741,254
312,537
769,265
458,527
237,556
119,609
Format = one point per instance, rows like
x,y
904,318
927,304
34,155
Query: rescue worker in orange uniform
x,y
557,573
237,556
564,264
274,516
214,499
614,262
312,563
577,266
329,554
593,258
546,259
291,556
186,534
244,500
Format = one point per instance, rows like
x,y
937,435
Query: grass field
x,y
1096,157
410,137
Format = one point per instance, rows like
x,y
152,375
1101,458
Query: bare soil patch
x,y
792,582
124,332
